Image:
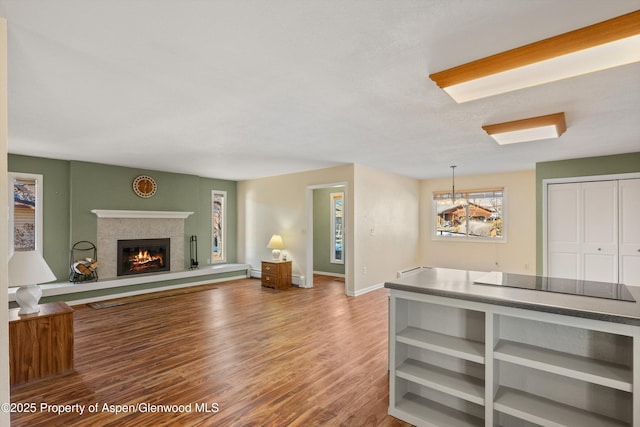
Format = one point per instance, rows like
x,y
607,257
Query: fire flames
x,y
145,259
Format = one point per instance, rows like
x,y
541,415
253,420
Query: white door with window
x,y
592,231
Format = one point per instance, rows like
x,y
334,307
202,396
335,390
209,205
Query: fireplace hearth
x,y
140,256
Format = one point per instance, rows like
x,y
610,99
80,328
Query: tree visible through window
x,y
477,214
337,237
218,223
26,212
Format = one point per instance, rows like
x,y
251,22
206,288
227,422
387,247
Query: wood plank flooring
x,y
236,355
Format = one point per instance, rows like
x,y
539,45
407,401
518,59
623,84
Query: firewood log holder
x,y
83,262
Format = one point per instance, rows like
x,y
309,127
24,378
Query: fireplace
x,y
136,256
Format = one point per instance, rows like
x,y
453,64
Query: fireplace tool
x,y
193,253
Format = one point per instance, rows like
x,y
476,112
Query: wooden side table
x,y
40,344
276,274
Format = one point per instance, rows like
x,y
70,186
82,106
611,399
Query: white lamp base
x,y
27,297
276,254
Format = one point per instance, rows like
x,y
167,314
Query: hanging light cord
x,y
453,183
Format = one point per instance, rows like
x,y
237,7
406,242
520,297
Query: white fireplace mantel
x,y
104,213
114,225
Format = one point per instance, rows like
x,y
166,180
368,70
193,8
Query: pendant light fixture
x,y
455,201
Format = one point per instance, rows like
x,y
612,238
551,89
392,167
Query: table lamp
x,y
26,270
276,244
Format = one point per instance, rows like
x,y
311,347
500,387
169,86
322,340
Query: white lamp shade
x,y
28,268
276,242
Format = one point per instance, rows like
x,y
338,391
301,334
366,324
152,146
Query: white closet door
x,y
629,190
563,230
599,249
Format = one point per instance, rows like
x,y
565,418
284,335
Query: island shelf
x,y
463,354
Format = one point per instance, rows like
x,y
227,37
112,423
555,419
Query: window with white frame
x,y
218,226
470,215
337,236
25,212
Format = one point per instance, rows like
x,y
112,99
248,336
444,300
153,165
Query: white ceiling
x,y
241,89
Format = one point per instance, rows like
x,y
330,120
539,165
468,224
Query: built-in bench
x,y
82,293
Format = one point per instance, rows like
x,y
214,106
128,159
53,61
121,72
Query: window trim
x,y
38,238
332,240
223,229
465,195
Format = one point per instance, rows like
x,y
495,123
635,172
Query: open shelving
x,y
579,367
419,409
541,411
456,362
445,344
453,383
438,365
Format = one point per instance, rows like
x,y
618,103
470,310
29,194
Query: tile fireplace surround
x,y
114,225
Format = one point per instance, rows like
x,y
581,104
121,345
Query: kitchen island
x,y
467,348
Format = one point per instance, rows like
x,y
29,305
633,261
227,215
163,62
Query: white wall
x,y
398,210
517,255
278,205
382,201
4,228
386,220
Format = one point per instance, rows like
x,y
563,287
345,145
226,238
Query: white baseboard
x,y
413,270
296,280
300,282
326,273
365,290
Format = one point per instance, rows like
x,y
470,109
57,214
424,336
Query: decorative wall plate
x,y
144,186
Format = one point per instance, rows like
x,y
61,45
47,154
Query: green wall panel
x,y
72,189
322,231
55,212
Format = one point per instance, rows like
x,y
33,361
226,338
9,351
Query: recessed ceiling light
x,y
607,44
531,129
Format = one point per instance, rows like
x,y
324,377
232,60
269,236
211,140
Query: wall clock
x,y
144,186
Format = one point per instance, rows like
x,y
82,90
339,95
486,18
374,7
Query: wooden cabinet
x,y
40,344
276,274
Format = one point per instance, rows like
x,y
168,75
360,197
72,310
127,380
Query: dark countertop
x,y
459,284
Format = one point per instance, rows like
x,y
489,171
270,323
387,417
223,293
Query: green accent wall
x,y
55,209
589,166
71,189
322,231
